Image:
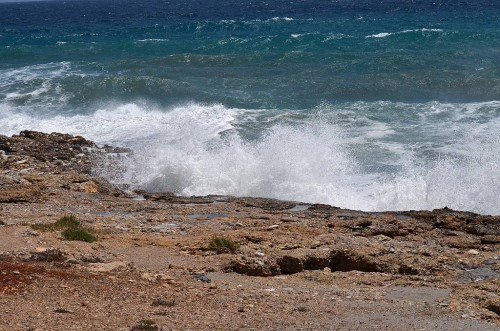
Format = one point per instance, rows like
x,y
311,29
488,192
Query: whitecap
x,y
152,40
386,34
379,35
281,19
429,155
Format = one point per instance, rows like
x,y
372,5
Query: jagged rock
x,y
494,307
255,267
290,264
304,259
348,261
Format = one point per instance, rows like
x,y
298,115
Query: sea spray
x,y
364,105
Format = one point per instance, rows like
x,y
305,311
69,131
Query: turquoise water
x,y
370,105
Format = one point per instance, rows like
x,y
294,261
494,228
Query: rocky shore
x,y
164,262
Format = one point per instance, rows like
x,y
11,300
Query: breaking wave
x,y
344,155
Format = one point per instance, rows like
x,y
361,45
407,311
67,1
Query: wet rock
x,y
266,204
170,197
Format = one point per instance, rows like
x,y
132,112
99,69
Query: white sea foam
x,y
154,40
333,156
387,34
380,35
281,19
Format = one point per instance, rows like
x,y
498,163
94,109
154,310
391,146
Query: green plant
x,y
79,234
71,227
222,245
65,222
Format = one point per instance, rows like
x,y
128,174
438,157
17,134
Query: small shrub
x,y
79,234
222,245
68,221
145,325
65,222
71,229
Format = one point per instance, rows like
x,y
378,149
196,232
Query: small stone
x,y
259,253
39,250
272,227
201,277
472,252
71,261
382,237
62,311
315,244
163,277
30,233
212,287
147,276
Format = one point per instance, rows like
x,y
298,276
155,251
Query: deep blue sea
x,y
362,104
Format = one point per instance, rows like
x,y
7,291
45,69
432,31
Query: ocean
x,y
369,104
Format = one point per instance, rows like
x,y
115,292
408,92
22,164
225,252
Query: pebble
x,y
272,227
30,233
473,252
201,277
39,250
